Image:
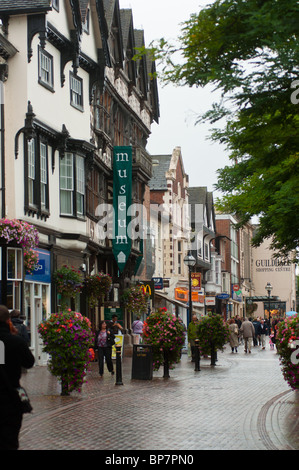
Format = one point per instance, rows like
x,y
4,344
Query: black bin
x,y
142,363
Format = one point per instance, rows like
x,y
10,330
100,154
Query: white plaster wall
x,y
60,20
15,110
54,108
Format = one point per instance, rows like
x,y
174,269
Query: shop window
x,y
14,264
14,277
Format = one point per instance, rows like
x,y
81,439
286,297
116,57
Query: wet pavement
x,y
242,403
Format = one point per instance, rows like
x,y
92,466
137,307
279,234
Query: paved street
x,y
243,403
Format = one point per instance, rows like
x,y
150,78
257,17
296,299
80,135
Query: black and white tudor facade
x,y
70,92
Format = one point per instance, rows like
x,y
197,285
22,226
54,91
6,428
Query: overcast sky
x,y
179,106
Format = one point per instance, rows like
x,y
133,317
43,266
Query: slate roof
x,y
201,195
198,195
109,6
24,6
126,20
160,166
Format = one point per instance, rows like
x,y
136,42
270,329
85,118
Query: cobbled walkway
x,y
242,403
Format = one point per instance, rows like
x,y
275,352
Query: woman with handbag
x,y
104,340
233,335
16,355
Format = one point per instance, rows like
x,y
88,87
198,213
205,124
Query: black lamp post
x,y
269,289
190,261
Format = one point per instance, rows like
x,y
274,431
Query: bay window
x,y
36,178
72,185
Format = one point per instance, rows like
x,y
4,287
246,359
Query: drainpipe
x,y
2,149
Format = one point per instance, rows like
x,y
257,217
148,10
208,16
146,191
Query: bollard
x,y
166,365
197,356
118,380
213,355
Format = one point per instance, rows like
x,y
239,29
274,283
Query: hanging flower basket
x,y
68,281
166,333
68,338
135,300
97,286
287,344
24,235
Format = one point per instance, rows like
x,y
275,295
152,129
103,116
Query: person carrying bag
x,y
14,401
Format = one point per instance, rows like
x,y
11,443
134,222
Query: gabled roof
x,y
201,195
126,19
112,17
128,38
14,7
161,164
109,6
139,42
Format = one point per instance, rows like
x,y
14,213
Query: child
x,y
270,340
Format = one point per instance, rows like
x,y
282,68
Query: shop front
x,y
37,303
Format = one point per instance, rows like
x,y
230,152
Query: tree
x,y
249,51
213,334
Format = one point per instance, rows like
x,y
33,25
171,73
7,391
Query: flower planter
x,y
67,338
166,333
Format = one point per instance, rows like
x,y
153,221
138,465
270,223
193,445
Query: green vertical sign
x,y
122,200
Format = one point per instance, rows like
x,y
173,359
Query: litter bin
x,y
142,362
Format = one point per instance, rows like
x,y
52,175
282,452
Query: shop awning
x,y
168,299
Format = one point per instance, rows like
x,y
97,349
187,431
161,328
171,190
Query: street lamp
x,y
269,289
189,261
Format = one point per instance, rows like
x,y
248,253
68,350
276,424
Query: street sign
x,y
148,288
158,282
223,296
196,281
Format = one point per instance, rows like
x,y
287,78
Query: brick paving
x,y
242,403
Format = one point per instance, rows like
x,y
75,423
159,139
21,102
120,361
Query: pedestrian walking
x,y
115,326
275,323
238,321
263,331
192,335
16,355
137,327
256,338
18,323
104,340
247,329
233,335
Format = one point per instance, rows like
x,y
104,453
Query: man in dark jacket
x,y
18,323
16,355
263,332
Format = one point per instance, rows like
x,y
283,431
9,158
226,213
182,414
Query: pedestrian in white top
x,y
137,327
